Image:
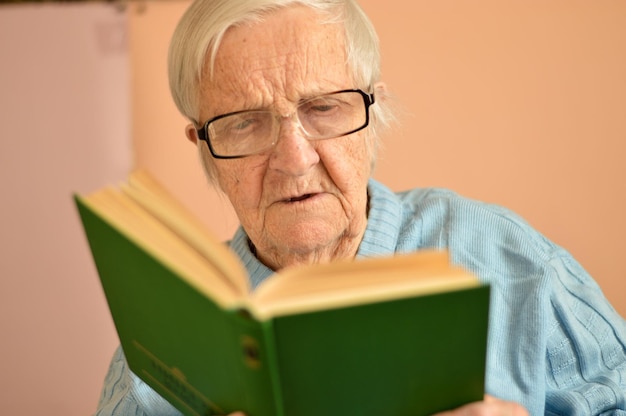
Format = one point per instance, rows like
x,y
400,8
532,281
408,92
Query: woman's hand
x,y
489,407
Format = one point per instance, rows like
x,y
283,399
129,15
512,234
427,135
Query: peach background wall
x,y
520,103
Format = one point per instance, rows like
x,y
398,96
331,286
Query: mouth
x,y
299,198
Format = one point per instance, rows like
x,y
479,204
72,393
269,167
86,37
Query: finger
x,y
490,407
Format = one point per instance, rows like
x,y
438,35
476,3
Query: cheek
x,y
348,161
241,180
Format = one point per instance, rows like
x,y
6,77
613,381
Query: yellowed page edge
x,y
353,273
130,219
455,280
154,198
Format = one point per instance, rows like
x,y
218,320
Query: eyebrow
x,y
302,98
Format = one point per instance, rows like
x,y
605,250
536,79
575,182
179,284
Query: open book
x,y
396,335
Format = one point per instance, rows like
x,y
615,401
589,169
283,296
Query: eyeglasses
x,y
246,133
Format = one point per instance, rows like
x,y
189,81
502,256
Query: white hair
x,y
199,32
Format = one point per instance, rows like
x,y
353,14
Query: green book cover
x,y
397,355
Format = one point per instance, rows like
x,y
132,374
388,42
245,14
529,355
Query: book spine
x,y
272,362
257,386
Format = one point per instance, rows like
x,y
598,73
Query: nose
x,y
293,153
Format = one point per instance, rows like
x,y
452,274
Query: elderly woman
x,y
286,104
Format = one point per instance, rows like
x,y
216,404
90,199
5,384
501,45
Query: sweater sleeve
x,y
124,394
585,347
555,345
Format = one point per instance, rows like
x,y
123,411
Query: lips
x,y
300,198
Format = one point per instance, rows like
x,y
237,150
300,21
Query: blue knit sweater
x,y
555,344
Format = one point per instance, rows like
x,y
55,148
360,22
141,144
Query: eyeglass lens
x,y
324,117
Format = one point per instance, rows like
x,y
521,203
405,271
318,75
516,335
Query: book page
x,y
153,197
130,219
357,282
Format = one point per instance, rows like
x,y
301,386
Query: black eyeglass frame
x,y
203,132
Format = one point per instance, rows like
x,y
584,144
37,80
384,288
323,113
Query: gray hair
x,y
199,32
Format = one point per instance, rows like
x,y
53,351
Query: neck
x,y
345,248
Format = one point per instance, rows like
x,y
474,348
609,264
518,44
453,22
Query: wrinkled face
x,y
302,201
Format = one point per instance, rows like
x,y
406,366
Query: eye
x,y
323,107
320,107
242,124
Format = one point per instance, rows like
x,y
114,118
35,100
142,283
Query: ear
x,y
380,90
192,133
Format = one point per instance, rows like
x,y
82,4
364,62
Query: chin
x,y
308,241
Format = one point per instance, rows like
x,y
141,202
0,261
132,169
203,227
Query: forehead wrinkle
x,y
297,62
273,82
247,80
